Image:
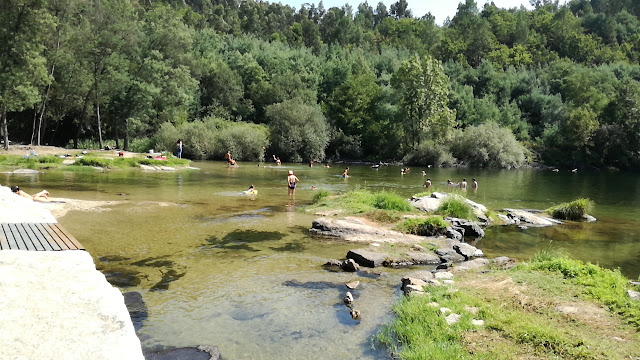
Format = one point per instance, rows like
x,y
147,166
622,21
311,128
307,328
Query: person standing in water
x,y
463,184
179,148
427,183
474,184
292,180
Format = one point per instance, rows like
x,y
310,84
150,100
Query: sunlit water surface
x,y
216,267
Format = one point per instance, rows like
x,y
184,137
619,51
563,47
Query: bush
x,y
430,226
320,195
382,216
211,138
456,206
488,145
386,200
98,162
299,132
573,210
430,153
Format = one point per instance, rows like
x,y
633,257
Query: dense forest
x,y
558,84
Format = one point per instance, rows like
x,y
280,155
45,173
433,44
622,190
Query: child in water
x,y
250,191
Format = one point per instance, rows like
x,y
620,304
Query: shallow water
x,y
219,268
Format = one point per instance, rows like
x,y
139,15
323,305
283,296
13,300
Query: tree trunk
x,y
33,128
95,78
126,135
117,137
5,130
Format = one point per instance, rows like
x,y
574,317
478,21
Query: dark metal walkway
x,y
37,237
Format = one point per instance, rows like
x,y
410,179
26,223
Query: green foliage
x,y
430,226
456,206
488,145
573,210
607,286
320,195
383,216
128,162
363,201
299,132
212,137
430,153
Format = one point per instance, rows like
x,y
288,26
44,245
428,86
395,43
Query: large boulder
x,y
530,218
449,255
465,250
452,233
471,228
367,258
359,230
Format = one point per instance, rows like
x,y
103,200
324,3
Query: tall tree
x,y
23,70
424,90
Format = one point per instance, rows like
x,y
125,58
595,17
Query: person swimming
x,y
427,183
345,173
250,191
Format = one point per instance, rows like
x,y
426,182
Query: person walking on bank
x,y
292,180
179,148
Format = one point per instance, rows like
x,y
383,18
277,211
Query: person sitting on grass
x,y
42,196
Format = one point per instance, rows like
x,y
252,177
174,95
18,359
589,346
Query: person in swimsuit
x,y
463,184
345,173
474,184
227,156
292,180
42,196
427,183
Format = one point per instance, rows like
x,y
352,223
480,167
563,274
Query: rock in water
x,y
353,284
348,299
355,314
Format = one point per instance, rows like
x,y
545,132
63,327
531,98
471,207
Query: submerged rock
x,y
202,352
367,258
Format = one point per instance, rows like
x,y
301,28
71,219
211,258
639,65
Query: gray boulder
x,y
350,265
449,255
367,258
450,233
465,250
530,218
633,295
471,228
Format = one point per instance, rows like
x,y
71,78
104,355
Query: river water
x,y
216,267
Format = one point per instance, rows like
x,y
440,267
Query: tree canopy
x,y
557,83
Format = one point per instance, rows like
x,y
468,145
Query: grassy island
x,y
550,308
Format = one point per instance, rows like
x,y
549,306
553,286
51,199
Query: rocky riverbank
x,y
55,304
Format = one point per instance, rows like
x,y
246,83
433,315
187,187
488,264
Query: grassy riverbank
x,y
550,308
90,160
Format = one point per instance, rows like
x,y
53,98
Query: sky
x,y
438,8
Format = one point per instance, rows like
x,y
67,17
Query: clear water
x,y
219,268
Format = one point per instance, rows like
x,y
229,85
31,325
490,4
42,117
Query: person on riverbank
x,y
427,183
179,148
42,196
292,180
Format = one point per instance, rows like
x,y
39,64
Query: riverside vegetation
x,y
493,87
552,307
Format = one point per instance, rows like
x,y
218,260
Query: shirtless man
x,y
42,196
227,156
277,160
292,180
427,183
463,184
474,184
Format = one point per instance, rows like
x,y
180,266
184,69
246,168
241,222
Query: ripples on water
x,y
216,267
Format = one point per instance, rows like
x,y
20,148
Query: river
x,y
216,267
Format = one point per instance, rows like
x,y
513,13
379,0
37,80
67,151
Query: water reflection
x,y
211,264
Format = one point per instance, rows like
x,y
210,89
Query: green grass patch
x,y
573,210
128,162
430,226
363,201
320,195
606,286
456,206
421,194
38,162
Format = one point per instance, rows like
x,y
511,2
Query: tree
x,y
23,70
298,131
424,90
